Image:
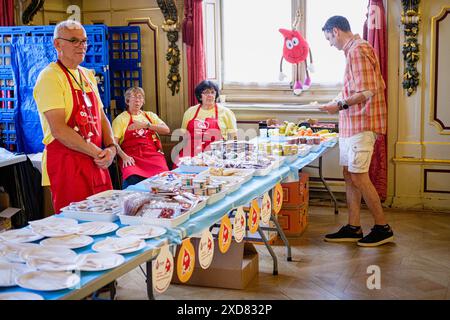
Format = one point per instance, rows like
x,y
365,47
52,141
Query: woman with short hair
x,y
137,134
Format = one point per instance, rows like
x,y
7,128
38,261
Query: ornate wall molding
x,y
171,26
438,96
411,49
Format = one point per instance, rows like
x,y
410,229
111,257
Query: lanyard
x,y
81,78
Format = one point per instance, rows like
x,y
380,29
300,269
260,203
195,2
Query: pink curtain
x,y
195,52
6,13
375,34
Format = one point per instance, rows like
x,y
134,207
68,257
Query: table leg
x,y
283,237
322,179
149,280
269,248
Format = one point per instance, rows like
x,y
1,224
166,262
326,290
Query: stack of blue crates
x,y
124,61
97,58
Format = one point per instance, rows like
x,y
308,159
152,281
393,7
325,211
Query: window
x,y
328,62
251,45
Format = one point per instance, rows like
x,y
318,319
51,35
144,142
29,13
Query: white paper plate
x,y
53,264
47,253
20,296
72,241
48,281
96,228
143,231
56,230
52,221
12,250
99,261
20,235
119,245
10,271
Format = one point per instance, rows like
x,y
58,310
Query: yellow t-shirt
x,y
120,123
227,119
52,91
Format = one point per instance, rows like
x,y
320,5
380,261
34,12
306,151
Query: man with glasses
x,y
79,144
362,114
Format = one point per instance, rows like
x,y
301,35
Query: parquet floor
x,y
416,266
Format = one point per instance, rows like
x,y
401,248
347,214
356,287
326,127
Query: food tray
x,y
304,152
216,197
192,169
198,207
90,216
170,223
245,174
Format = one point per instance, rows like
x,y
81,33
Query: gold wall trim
x,y
421,161
112,10
434,43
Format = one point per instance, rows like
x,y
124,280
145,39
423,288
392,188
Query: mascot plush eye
x,y
289,44
295,41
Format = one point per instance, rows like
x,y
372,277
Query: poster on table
x,y
206,249
162,270
266,208
277,198
225,234
239,224
186,260
253,216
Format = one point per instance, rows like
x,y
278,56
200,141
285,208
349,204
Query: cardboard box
x,y
5,218
296,193
293,221
232,270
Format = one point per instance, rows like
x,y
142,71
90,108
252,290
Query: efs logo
x,y
167,265
186,261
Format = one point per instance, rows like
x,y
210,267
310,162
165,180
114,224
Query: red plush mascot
x,y
295,51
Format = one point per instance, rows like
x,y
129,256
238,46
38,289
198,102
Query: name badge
x,y
87,101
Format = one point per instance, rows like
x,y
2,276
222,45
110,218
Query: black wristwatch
x,y
343,105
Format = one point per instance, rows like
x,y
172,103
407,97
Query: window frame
x,y
238,92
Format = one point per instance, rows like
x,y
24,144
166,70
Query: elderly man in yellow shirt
x,y
79,144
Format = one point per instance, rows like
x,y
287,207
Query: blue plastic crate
x,y
103,84
97,51
96,54
8,100
121,80
124,47
7,131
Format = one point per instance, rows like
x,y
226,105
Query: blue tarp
x,y
29,55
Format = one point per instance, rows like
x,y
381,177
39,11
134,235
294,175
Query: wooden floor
x,y
416,266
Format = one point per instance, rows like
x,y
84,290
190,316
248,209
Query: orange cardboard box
x,y
294,221
296,193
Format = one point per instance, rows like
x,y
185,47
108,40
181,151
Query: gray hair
x,y
67,24
133,91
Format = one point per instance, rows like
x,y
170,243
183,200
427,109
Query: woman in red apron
x,y
74,176
202,131
141,154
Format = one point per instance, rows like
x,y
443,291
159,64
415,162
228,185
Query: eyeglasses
x,y
76,42
137,97
209,93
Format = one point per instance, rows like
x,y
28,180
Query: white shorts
x,y
355,152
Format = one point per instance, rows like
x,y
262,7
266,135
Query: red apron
x,y
146,149
201,134
73,175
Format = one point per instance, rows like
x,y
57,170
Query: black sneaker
x,y
347,233
378,236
